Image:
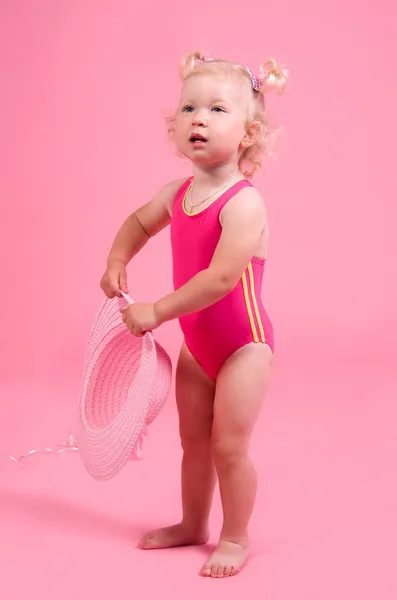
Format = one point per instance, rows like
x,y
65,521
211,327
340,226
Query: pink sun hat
x,y
126,382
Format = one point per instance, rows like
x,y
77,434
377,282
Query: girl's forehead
x,y
212,86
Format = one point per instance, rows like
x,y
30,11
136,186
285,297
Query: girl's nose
x,y
199,120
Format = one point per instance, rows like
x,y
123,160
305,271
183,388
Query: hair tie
x,y
255,81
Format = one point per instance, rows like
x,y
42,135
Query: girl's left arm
x,y
243,220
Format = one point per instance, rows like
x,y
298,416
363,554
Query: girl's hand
x,y
114,279
140,318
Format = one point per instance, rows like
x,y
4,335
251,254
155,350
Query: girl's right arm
x,y
137,229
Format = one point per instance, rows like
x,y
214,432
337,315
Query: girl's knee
x,y
229,450
191,441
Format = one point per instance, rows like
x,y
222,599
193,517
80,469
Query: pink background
x,y
85,88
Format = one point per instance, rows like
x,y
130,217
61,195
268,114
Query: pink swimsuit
x,y
215,333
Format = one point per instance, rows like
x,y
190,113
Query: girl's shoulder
x,y
170,191
248,199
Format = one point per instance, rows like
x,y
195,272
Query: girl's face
x,y
210,126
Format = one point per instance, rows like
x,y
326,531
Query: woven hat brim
x,y
117,402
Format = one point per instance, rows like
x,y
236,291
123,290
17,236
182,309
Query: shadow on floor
x,y
66,515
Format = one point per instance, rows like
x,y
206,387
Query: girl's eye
x,y
218,109
187,109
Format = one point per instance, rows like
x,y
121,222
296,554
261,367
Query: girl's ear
x,y
252,131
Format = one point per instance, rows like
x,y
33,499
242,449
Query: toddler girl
x,y
219,237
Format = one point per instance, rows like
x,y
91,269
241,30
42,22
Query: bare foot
x,y
227,560
170,537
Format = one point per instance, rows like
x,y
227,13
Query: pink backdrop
x,y
86,85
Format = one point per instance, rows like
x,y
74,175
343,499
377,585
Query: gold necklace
x,y
192,206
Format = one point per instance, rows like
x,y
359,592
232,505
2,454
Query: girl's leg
x,y
240,390
195,393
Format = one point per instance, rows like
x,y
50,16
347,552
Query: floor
x,y
324,527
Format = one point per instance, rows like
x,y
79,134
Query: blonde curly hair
x,y
272,78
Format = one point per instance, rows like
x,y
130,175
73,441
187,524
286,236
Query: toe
x,y
228,570
214,570
146,542
206,571
221,571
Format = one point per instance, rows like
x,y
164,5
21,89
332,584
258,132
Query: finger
x,y
115,291
103,284
104,287
110,291
111,287
123,283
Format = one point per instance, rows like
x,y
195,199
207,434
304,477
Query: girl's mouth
x,y
197,139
